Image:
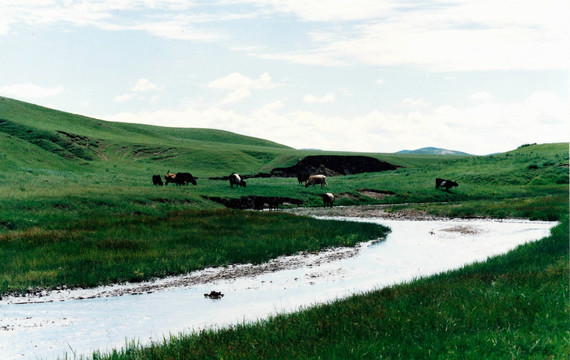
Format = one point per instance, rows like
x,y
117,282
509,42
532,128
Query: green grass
x,y
513,306
91,252
77,208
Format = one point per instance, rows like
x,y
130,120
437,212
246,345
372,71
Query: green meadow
x,y
78,209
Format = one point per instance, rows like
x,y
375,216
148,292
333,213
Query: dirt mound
x,y
333,165
376,194
255,202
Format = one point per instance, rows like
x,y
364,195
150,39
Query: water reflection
x,y
412,249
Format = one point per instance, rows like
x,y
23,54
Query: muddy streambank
x,y
201,277
211,275
367,212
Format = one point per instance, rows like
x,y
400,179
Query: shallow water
x,y
413,249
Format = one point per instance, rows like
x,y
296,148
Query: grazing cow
x,y
328,199
235,179
316,179
302,177
157,180
445,184
183,178
169,178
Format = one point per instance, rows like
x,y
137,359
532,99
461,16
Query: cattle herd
x,y
184,178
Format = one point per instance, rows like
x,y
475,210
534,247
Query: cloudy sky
x,y
479,76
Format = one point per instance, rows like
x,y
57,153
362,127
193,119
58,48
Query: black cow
x,y
235,179
328,199
157,180
183,178
302,177
445,184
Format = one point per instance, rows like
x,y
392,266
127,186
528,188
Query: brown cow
x,y
169,178
316,179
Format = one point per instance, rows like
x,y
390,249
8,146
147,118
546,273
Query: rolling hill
x,y
33,135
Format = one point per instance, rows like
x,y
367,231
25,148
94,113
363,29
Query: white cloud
x,y
236,96
463,36
380,81
312,99
30,91
481,96
123,98
478,129
415,102
236,81
176,18
144,85
141,86
240,85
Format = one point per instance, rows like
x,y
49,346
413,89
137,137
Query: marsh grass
x,y
513,306
91,252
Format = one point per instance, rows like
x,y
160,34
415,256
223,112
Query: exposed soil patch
x,y
367,211
329,165
466,230
333,165
346,195
376,194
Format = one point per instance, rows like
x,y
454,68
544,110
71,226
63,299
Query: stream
x,y
78,322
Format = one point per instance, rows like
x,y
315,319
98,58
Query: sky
x,y
479,76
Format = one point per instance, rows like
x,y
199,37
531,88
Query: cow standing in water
x,y
235,179
328,200
439,182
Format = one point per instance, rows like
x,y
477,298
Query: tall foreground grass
x,y
514,306
96,251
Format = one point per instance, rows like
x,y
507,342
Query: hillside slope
x,y
66,139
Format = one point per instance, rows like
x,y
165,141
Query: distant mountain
x,y
432,151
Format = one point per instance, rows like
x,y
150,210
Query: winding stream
x,y
78,322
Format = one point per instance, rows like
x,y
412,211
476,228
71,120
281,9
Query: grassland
x,y
514,306
77,207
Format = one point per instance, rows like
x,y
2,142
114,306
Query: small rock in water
x,y
214,295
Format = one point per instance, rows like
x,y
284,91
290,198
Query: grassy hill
x,y
66,140
59,159
78,208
